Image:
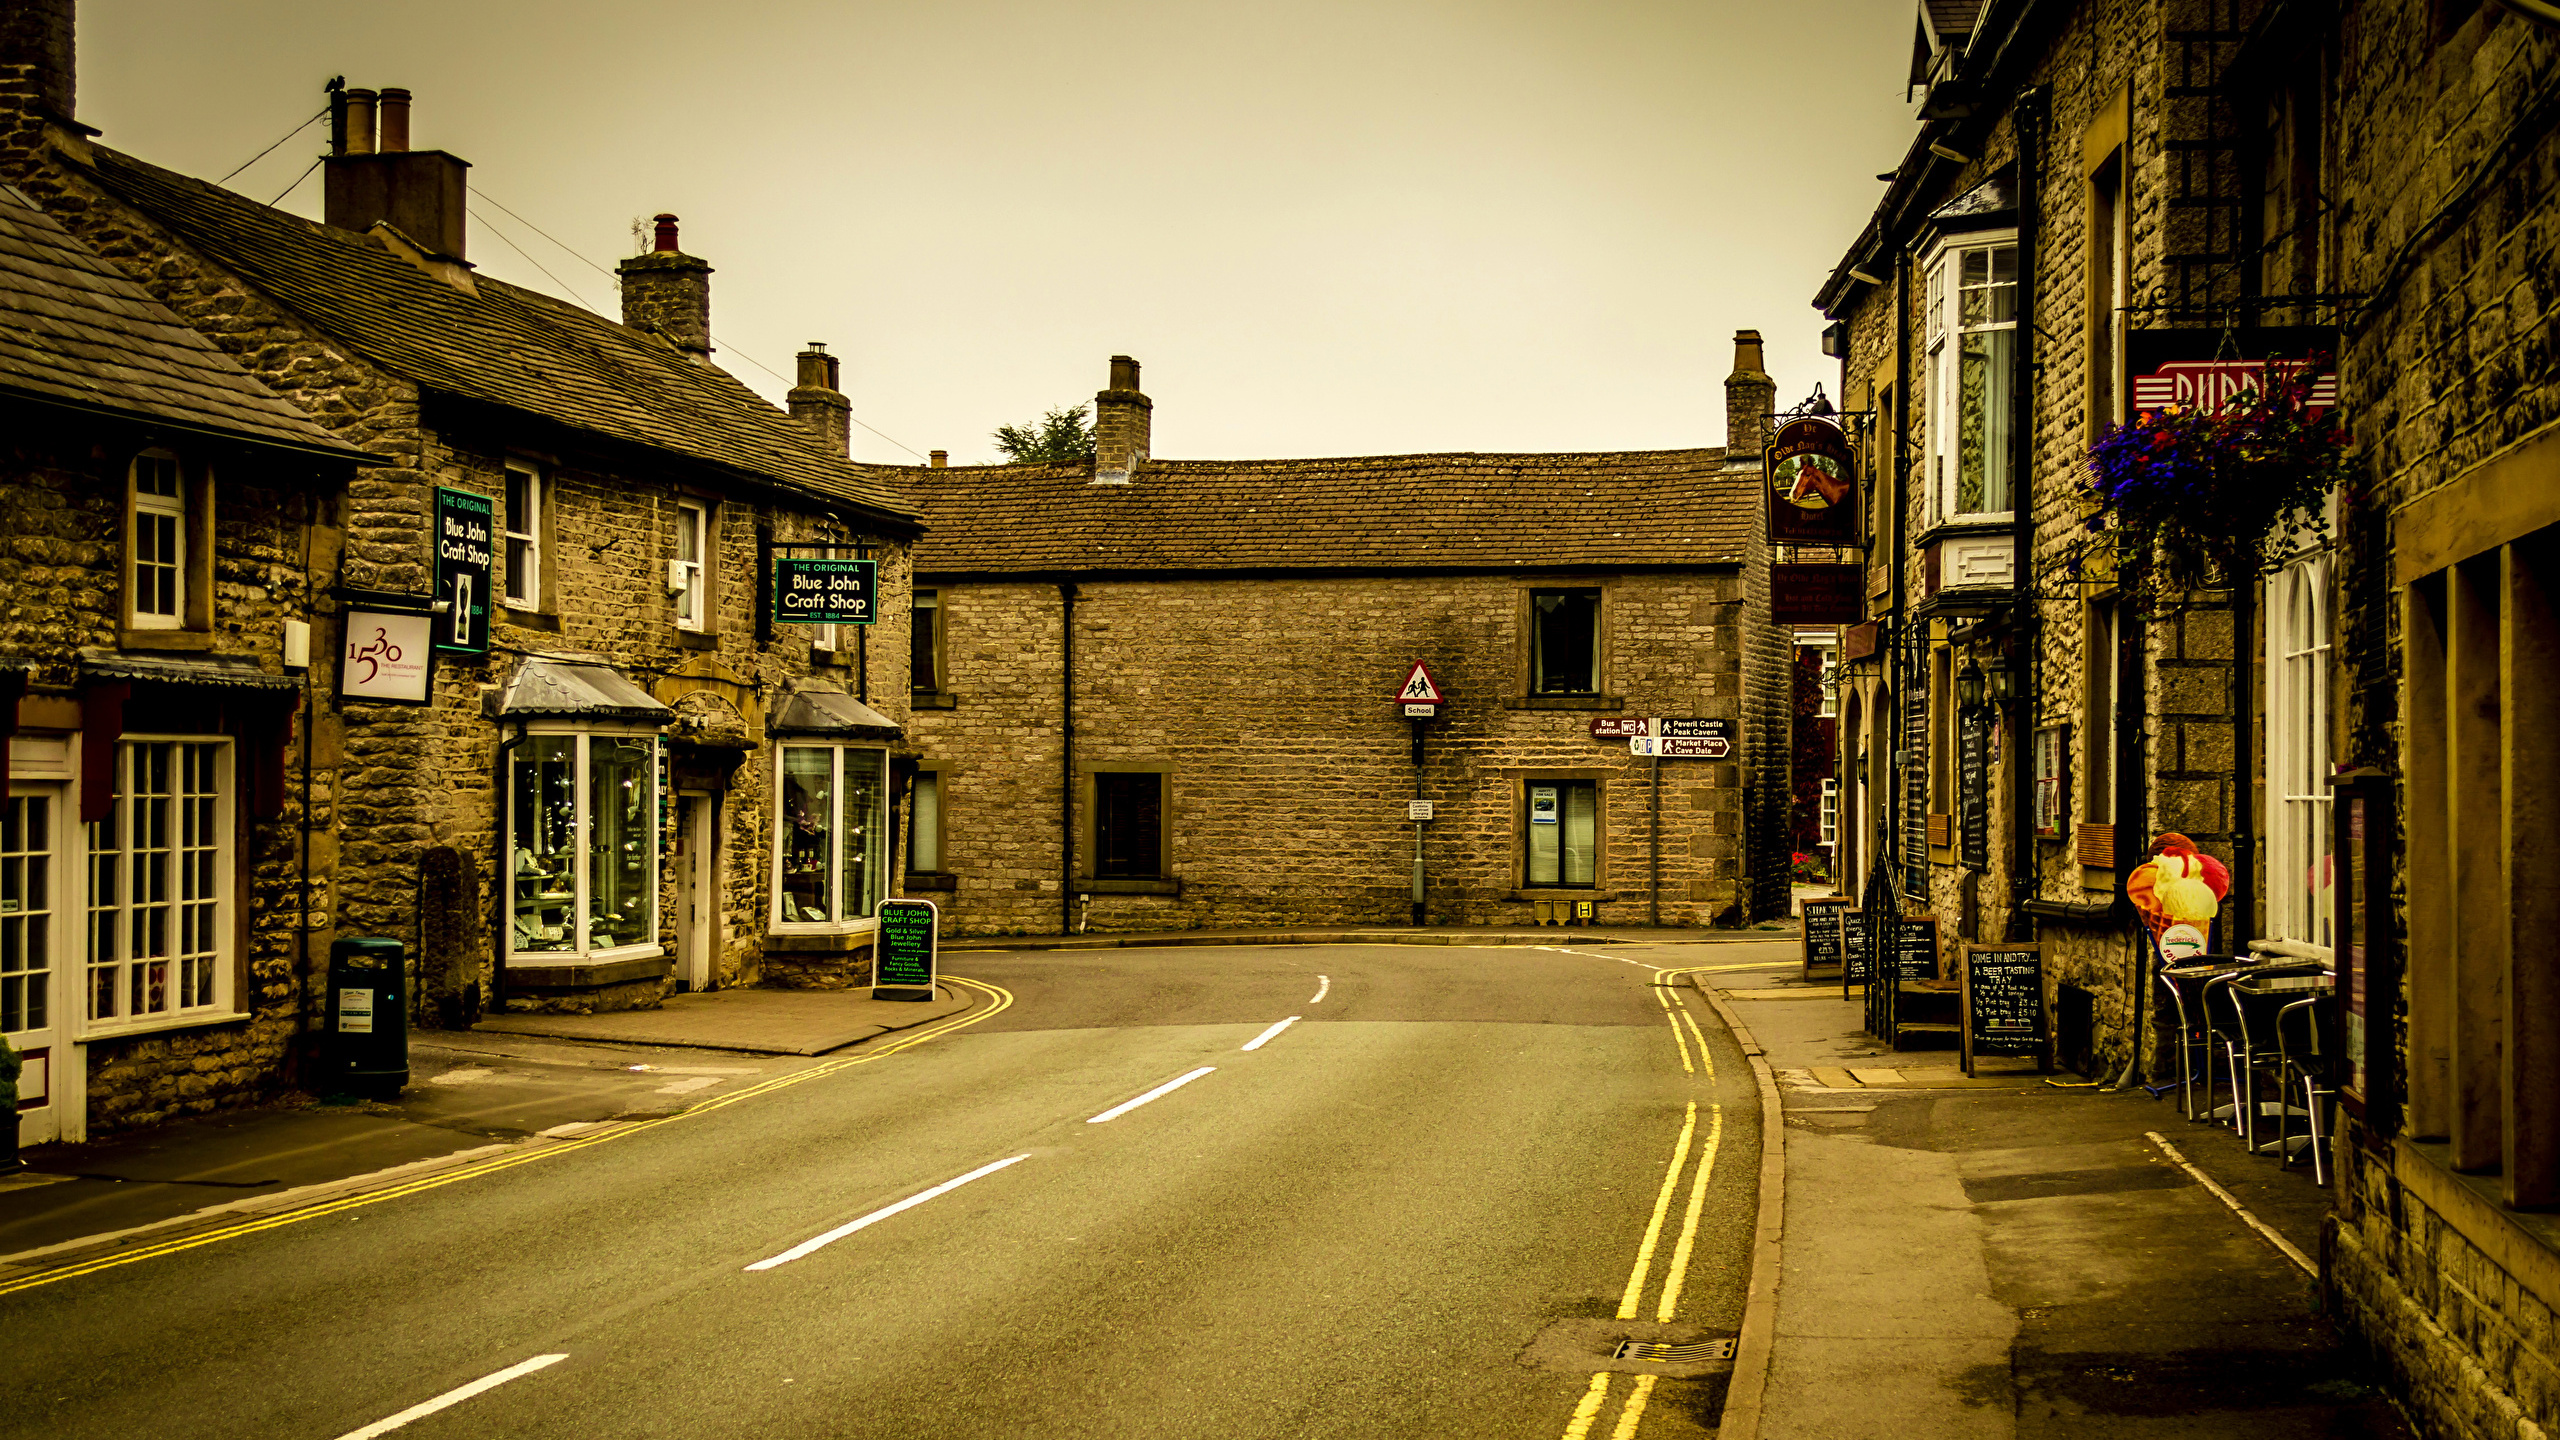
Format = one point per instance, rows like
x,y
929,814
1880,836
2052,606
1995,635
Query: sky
x,y
1324,227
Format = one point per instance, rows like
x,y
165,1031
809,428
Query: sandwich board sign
x,y
904,950
1420,694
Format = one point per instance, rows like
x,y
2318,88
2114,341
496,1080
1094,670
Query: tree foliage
x,y
1061,437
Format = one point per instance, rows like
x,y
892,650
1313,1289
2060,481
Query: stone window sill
x,y
934,700
1564,702
697,640
1561,892
160,1026
1126,885
530,619
164,640
2525,1245
589,974
919,880
836,942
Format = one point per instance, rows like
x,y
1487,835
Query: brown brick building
x,y
1155,694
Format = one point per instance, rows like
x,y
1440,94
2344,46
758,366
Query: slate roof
x,y
1610,509
74,330
572,683
508,346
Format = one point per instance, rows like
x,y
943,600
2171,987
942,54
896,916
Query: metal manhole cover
x,y
1673,1354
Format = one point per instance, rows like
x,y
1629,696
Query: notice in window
x,y
1542,805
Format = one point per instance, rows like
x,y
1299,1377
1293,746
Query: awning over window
x,y
819,709
561,685
230,672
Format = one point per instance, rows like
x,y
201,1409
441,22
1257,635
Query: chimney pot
x,y
360,123
666,234
393,108
941,459
1123,425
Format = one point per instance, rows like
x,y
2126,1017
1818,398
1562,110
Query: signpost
x,y
1680,739
1420,698
2004,1004
1820,931
464,523
905,950
1620,727
825,592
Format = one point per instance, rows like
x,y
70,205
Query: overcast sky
x,y
1325,228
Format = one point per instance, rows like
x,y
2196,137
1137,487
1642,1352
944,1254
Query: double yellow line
x,y
1675,1275
1000,1000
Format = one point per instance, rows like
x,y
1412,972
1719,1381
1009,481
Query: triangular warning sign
x,y
1419,687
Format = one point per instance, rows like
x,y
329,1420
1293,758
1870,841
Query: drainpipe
x,y
506,868
1066,757
2244,747
2028,120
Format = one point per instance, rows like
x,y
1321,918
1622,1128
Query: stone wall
x,y
1270,700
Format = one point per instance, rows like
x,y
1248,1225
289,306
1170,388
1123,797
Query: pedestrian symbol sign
x,y
1419,687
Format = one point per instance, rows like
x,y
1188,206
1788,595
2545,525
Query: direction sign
x,y
1620,727
1681,747
1695,729
1419,688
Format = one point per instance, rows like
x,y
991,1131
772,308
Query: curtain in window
x,y
1564,832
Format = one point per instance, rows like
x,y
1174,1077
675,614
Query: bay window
x,y
583,834
830,851
159,895
1971,330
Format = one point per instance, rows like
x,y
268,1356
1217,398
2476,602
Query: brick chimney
x,y
668,293
1750,398
1122,418
374,178
818,401
37,51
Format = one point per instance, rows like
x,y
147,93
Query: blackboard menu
x,y
1916,949
906,945
1973,786
1821,927
1853,947
2004,1010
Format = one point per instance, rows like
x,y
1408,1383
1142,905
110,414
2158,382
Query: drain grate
x,y
1673,1354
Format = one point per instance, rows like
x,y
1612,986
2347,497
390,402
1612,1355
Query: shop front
x,y
832,833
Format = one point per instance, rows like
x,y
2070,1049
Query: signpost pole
x,y
1417,824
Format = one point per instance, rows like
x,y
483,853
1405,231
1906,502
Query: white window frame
x,y
1830,813
581,830
845,758
926,818
211,964
684,576
1943,332
523,530
147,509
2300,635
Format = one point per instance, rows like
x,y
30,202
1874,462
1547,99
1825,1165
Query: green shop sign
x,y
824,592
904,954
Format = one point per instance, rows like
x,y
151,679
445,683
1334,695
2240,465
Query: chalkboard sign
x,y
903,967
1853,948
1973,786
2004,1003
1821,932
1916,948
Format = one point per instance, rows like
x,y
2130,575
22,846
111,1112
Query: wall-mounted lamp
x,y
1857,274
1970,687
1949,152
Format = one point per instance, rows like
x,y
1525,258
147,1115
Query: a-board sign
x,y
1853,947
1820,930
2004,1003
824,592
1916,948
904,954
1973,786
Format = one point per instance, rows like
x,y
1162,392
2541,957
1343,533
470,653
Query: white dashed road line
x,y
452,1397
807,1247
1323,983
1158,1093
1267,1036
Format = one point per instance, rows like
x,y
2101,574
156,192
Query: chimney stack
x,y
1122,420
420,193
1750,399
40,35
941,459
669,293
818,401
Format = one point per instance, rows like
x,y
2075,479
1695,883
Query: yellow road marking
x,y
1002,997
1721,969
1589,1410
1661,1207
1633,1415
1704,1057
1676,1039
1674,1278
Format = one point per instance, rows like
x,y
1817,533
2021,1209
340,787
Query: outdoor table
x,y
2253,995
2185,984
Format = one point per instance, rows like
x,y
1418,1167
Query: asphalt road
x,y
1415,1211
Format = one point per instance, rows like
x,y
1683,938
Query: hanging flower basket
x,y
2200,498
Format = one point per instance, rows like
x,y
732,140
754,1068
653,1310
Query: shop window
x,y
924,640
829,868
26,913
1564,642
158,897
1128,825
1971,326
924,823
2299,874
688,575
1563,841
522,580
583,831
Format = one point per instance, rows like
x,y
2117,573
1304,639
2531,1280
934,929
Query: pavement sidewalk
x,y
750,1021
1385,935
1999,1257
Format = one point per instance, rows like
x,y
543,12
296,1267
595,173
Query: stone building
x,y
1164,694
623,777
2115,206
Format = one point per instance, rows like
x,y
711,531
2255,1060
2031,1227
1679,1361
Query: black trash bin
x,y
364,1035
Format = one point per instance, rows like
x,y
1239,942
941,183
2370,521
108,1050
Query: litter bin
x,y
364,1037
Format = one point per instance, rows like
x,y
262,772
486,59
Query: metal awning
x,y
815,709
563,685
228,672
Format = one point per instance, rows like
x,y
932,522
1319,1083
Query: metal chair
x,y
2247,1054
2307,1065
2196,1041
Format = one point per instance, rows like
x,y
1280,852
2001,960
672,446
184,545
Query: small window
x,y
1830,813
1128,826
159,891
1564,832
925,641
1564,642
1972,324
2105,638
159,554
523,521
828,866
685,574
924,824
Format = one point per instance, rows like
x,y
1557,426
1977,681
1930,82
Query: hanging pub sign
x,y
1813,484
2207,368
1817,594
465,521
385,656
824,592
